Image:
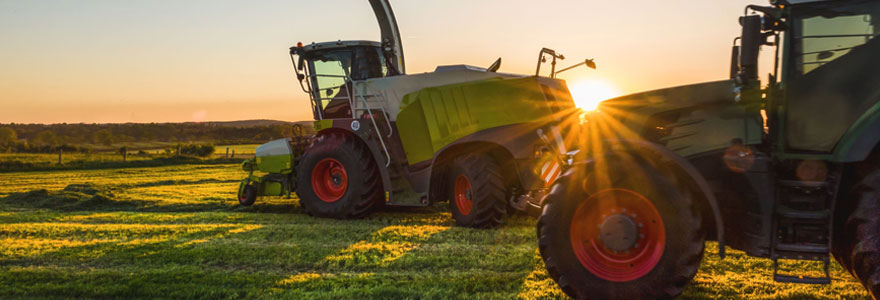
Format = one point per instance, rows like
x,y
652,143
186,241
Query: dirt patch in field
x,y
72,197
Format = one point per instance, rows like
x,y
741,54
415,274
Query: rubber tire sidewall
x,y
489,206
250,194
339,149
857,242
578,282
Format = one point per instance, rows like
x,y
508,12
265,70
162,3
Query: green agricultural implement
x,y
482,140
787,169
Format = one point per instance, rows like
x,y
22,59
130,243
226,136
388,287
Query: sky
x,y
109,61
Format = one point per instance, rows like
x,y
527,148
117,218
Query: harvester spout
x,y
391,45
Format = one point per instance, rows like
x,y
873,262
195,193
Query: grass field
x,y
67,158
177,232
239,149
243,151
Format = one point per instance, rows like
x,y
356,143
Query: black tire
x,y
857,243
248,195
362,186
486,194
671,270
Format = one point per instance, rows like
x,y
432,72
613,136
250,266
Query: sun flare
x,y
588,93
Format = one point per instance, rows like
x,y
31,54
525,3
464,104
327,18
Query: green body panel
x,y
435,117
698,118
271,188
323,124
281,164
264,187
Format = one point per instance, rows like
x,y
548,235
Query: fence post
x,y
59,156
178,149
233,153
227,152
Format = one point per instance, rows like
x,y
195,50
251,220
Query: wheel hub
x,y
618,232
464,195
329,180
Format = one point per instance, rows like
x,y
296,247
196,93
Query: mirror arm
x,y
588,62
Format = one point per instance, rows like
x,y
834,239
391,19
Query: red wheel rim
x,y
602,229
464,195
329,180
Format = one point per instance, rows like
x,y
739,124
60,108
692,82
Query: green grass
x,y
177,232
15,162
67,158
249,149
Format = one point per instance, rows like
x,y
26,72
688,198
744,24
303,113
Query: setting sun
x,y
588,93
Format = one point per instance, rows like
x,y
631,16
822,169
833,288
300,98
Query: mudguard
x,y
862,138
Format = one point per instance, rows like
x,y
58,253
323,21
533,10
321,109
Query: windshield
x,y
329,72
825,33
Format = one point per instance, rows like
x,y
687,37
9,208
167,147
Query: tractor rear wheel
x,y
857,244
477,190
338,178
635,236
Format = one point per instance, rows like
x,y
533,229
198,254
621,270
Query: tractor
x,y
471,136
787,169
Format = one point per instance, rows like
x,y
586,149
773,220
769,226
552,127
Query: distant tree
x,y
46,138
103,137
8,136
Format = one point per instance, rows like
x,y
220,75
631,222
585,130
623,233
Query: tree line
x,y
36,138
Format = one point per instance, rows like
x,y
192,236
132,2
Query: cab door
x,y
833,73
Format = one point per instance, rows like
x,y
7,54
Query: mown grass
x,y
67,158
18,162
177,232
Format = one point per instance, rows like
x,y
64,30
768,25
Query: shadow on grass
x,y
174,182
229,260
414,261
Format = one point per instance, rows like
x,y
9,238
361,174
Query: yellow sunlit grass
x,y
538,284
22,247
302,277
589,92
384,246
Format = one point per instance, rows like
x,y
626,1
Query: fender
x,y
689,170
363,135
519,141
862,138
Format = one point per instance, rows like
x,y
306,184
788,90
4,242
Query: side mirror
x,y
734,62
752,39
590,63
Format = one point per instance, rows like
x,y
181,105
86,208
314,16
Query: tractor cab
x,y
326,72
825,73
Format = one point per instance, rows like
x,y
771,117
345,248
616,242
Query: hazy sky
x,y
195,60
